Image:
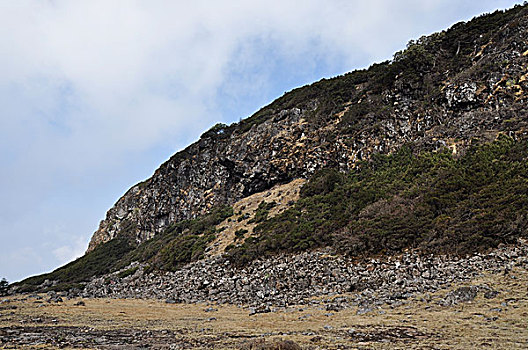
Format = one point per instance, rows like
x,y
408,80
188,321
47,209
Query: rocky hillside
x,y
443,90
410,153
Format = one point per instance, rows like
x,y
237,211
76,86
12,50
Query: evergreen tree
x,y
4,286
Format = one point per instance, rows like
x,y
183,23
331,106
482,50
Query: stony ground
x,y
486,311
287,280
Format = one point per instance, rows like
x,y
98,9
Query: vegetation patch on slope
x,y
181,243
432,201
102,260
252,210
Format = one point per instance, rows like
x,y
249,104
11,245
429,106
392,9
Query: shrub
x,y
215,130
322,182
243,217
181,250
262,212
240,233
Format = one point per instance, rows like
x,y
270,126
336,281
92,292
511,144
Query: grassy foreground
x,y
498,323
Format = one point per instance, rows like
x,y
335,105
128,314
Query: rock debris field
x,y
306,301
313,278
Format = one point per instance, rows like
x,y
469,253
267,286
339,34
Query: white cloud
x,y
70,252
95,94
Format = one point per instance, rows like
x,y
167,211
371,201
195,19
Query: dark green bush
x,y
322,182
240,233
183,249
262,212
243,217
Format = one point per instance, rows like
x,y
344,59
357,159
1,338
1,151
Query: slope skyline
x,y
65,199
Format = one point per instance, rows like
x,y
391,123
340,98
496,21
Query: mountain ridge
x,y
331,123
444,94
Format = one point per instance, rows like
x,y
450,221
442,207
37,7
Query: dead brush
x,y
261,344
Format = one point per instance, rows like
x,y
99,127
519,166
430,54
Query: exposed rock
x,y
58,337
363,310
259,310
490,294
461,95
460,295
296,279
54,297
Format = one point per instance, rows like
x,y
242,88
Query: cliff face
x,y
443,90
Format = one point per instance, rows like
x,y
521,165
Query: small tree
x,y
4,286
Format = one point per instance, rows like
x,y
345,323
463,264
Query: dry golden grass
x,y
280,194
417,325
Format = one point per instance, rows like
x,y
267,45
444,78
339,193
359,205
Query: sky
x,y
95,95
